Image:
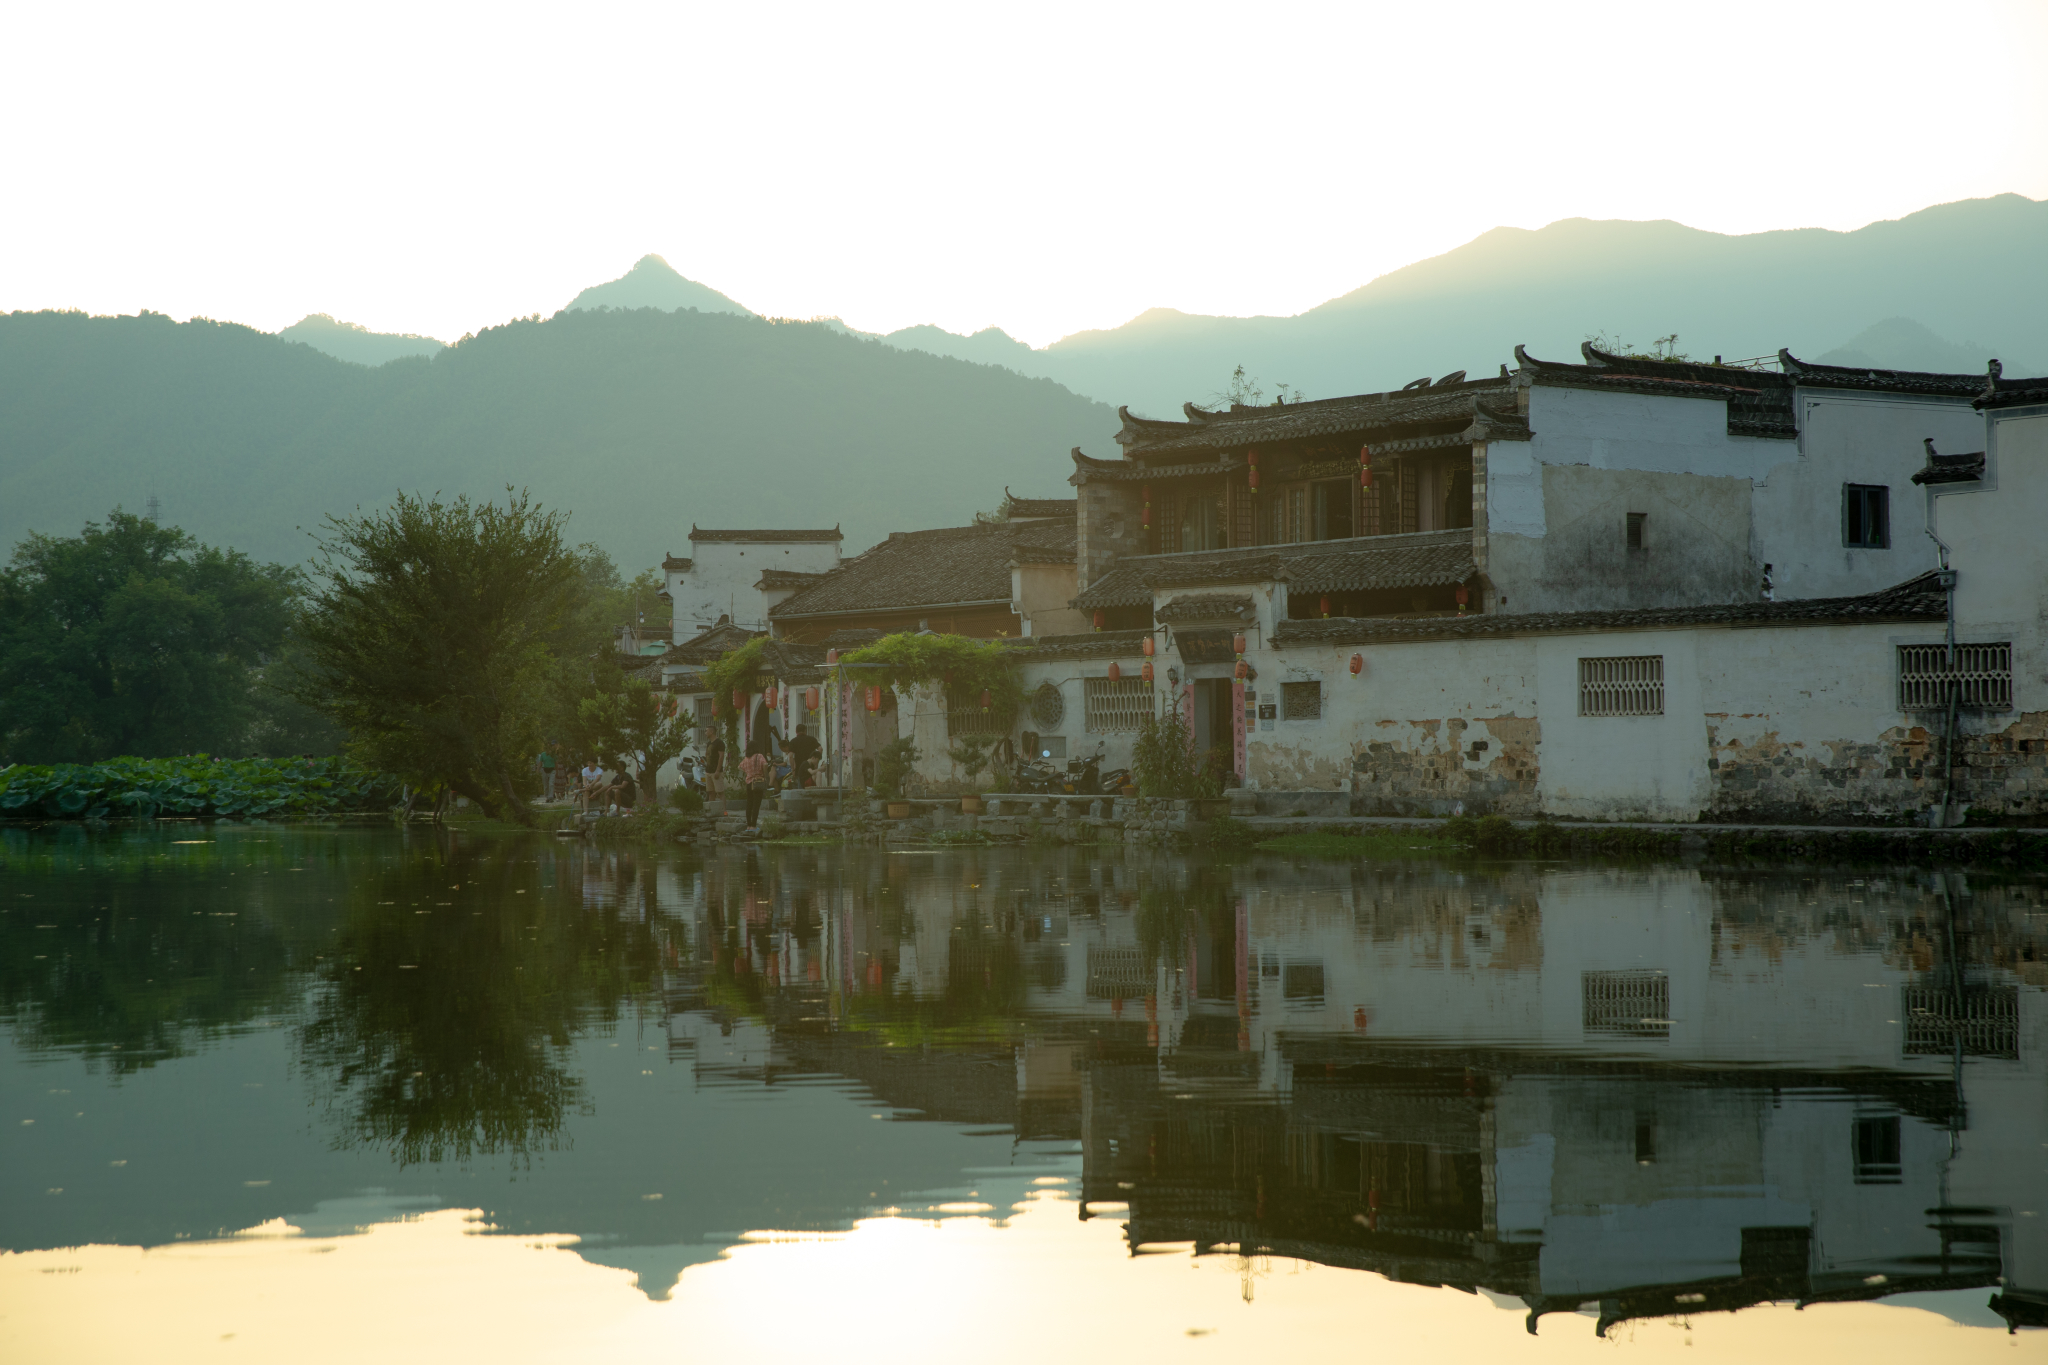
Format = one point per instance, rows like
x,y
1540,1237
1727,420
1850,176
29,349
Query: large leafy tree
x,y
634,722
447,638
133,638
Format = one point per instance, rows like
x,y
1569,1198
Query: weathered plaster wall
x,y
1039,594
1110,526
1853,438
1622,767
722,575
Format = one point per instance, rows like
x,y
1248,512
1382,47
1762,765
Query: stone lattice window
x,y
1982,678
1112,706
1632,685
1301,700
1983,1020
1632,1004
964,715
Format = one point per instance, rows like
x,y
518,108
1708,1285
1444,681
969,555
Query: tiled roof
x,y
1101,644
1759,402
1949,468
1087,468
763,537
1033,508
951,566
792,662
1420,559
772,579
670,564
1206,606
1917,599
852,639
1810,375
2000,392
1360,415
710,645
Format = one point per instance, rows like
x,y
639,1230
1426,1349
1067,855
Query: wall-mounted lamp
x,y
1172,676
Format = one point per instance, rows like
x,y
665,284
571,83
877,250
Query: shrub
x,y
892,767
685,799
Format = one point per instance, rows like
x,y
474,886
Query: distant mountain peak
x,y
351,341
654,283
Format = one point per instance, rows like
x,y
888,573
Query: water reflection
x,y
1631,1094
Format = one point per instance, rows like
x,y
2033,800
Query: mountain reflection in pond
x,y
1634,1097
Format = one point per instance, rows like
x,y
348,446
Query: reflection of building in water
x,y
1659,1091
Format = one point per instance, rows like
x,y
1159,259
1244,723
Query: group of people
x,y
756,771
594,786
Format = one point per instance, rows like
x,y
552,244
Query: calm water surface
x,y
274,1094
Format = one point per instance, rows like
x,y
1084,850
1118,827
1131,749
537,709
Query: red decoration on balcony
x,y
1146,672
1237,645
1357,664
1099,618
1251,459
1145,492
987,699
1116,672
1326,607
1365,466
1464,596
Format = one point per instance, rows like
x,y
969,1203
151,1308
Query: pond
x,y
272,1091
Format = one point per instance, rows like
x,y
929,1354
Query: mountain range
x,y
653,400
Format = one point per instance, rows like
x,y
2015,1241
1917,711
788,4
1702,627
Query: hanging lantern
x,y
1464,596
1237,645
1252,474
1100,617
988,701
1365,466
1326,608
1357,664
1146,645
831,656
1116,672
1146,672
769,697
874,699
810,699
1244,670
738,699
1145,518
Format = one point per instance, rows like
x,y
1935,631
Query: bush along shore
x,y
197,786
1180,825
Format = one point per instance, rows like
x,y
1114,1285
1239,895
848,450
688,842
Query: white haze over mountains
x,y
1946,288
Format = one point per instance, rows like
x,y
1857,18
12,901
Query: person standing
x,y
714,766
804,752
754,775
546,761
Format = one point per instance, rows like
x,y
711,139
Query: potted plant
x,y
971,754
892,767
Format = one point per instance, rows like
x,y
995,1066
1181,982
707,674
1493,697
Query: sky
x,y
1044,168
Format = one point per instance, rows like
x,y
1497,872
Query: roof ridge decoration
x,y
765,535
2000,392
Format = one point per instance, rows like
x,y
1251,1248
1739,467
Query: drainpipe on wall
x,y
1948,743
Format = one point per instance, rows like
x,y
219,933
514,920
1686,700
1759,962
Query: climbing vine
x,y
962,666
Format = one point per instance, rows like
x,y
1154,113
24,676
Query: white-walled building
x,y
739,575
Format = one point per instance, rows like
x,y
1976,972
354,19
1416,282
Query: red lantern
x,y
1365,466
987,700
1115,672
1326,607
1357,664
1146,645
1099,618
810,699
769,697
874,699
1244,670
738,699
1237,644
1146,671
1251,458
1145,492
1464,596
831,656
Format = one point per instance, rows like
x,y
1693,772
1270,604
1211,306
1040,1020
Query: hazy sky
x,y
1044,168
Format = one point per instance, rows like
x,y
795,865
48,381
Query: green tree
x,y
635,723
444,637
133,639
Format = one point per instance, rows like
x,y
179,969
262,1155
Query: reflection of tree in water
x,y
136,951
455,989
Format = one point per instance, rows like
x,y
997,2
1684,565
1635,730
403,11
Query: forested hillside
x,y
640,422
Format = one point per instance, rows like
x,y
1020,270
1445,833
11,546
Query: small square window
x,y
1877,1151
1302,700
1866,516
1636,521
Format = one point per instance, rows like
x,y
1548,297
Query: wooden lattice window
x,y
1301,700
1981,681
1631,685
1983,1020
1633,1004
1118,974
964,715
1116,705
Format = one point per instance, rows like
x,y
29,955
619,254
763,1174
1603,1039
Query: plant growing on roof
x,y
892,767
964,667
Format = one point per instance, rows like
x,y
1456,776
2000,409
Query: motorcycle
x,y
1115,780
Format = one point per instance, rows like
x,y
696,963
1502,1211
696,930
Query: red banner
x,y
1237,727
